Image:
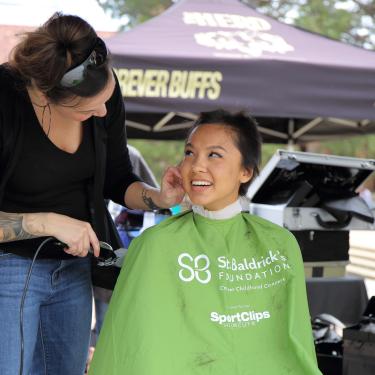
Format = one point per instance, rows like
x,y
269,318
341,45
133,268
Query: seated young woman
x,y
213,290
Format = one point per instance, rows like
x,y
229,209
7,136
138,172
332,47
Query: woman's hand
x,y
76,234
144,197
171,192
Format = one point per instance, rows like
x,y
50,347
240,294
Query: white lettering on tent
x,y
244,43
225,20
252,38
194,268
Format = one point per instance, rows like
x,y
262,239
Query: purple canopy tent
x,y
200,55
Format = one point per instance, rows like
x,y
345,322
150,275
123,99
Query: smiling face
x,y
212,169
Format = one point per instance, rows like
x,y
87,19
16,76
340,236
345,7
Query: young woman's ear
x,y
246,175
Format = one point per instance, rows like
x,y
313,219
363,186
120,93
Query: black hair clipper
x,y
107,257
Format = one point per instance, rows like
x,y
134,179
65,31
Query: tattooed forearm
x,y
11,228
148,201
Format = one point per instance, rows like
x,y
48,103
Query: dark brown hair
x,y
246,137
46,54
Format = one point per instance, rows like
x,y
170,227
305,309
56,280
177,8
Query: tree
x,y
346,20
135,11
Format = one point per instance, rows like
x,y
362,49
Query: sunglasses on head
x,y
76,75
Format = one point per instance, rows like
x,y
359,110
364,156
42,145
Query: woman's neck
x,y
66,134
40,102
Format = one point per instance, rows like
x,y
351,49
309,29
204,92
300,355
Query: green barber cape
x,y
198,296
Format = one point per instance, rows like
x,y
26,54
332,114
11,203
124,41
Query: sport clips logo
x,y
240,318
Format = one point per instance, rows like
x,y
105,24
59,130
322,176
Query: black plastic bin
x,y
359,345
329,364
359,357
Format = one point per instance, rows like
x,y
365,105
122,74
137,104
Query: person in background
x,y
141,169
213,290
62,153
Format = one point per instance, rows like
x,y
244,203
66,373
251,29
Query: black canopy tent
x,y
200,55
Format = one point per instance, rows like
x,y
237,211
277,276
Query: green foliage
x,y
268,150
361,147
322,17
135,10
350,21
159,154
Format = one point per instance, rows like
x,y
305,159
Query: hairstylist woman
x,y
62,152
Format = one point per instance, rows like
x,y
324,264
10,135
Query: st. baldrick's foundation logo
x,y
232,269
194,268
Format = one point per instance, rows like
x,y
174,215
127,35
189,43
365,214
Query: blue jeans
x,y
56,318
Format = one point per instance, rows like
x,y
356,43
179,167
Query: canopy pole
x,y
291,143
